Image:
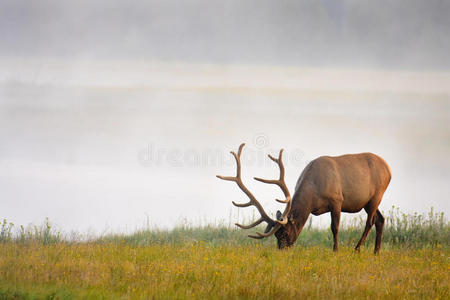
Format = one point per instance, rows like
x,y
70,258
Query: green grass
x,y
401,230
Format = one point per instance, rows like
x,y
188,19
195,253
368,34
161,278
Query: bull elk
x,y
346,183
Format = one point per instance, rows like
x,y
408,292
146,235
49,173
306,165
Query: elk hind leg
x,y
371,216
379,224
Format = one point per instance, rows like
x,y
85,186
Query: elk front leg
x,y
335,217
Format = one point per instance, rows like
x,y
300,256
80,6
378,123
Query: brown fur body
x,y
346,183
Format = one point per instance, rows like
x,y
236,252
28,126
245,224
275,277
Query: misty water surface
x,y
114,145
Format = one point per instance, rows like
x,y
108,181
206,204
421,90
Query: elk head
x,y
283,226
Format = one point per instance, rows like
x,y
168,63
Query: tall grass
x,y
43,234
401,230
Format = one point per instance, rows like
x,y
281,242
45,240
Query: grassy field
x,y
219,262
108,271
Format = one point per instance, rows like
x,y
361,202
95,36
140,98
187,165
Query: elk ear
x,y
268,228
279,216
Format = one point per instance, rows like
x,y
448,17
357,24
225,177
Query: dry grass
x,y
119,270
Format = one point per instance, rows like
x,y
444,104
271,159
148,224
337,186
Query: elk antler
x,y
264,217
282,184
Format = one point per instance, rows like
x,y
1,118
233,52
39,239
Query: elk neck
x,y
301,209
